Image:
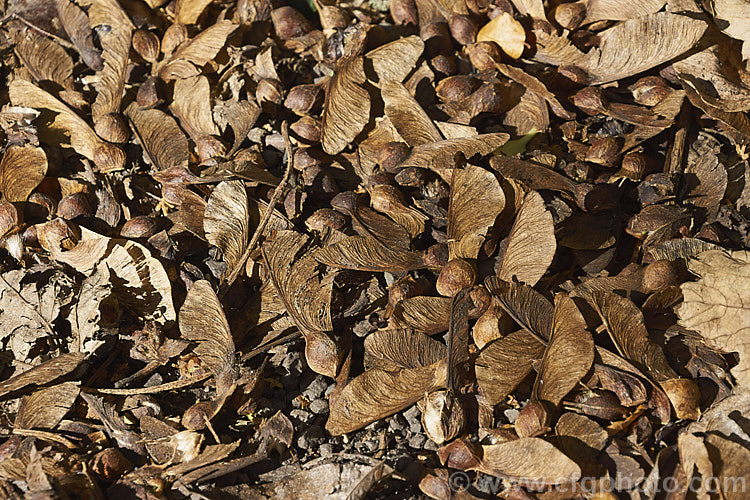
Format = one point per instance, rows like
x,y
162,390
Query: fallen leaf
x,y
347,106
160,136
22,169
46,407
227,221
506,32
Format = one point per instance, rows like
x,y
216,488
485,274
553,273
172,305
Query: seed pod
x,y
633,166
660,275
146,44
403,289
484,55
604,150
443,416
109,158
391,155
268,95
74,205
111,127
600,404
533,420
148,93
58,233
650,90
173,37
455,276
304,99
436,256
141,226
443,65
436,37
411,177
455,88
570,15
39,206
325,218
590,100
289,23
404,12
463,29
308,129
110,464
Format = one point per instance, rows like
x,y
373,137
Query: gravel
x,y
319,406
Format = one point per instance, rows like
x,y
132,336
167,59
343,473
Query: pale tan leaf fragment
x,y
347,106
407,115
533,84
706,72
506,32
395,60
41,374
733,18
439,156
569,354
188,11
718,304
529,460
82,138
227,221
392,350
45,59
191,104
240,116
505,362
531,243
368,254
197,52
46,407
161,137
628,48
533,8
22,169
529,308
530,115
424,314
76,25
476,200
376,394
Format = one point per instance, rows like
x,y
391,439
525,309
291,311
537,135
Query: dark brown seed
x,y
570,15
74,205
111,127
650,90
146,44
289,23
463,29
141,226
404,12
455,276
391,155
304,99
590,100
484,55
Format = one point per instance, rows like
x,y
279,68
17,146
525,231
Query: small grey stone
x,y
312,437
319,406
412,414
430,445
363,328
415,427
376,425
372,445
325,450
417,441
397,423
511,414
316,388
302,416
292,359
329,390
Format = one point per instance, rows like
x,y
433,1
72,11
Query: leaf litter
x,y
362,249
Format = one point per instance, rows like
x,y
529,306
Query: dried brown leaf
x,y
505,362
46,407
716,305
202,321
529,460
391,350
531,243
389,200
476,200
505,31
530,115
569,354
682,248
706,72
43,373
526,306
240,116
733,18
368,254
160,136
227,221
45,59
191,104
347,106
188,11
376,394
82,138
612,10
628,48
22,169
393,61
197,51
406,114
439,156
425,314
76,25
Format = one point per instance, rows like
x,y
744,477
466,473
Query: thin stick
x,y
277,193
177,384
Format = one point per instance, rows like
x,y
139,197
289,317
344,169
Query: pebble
x,y
511,414
311,438
303,416
371,445
430,445
319,406
397,423
415,427
325,450
316,388
417,441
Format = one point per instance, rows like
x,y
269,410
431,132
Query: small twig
x,y
277,193
260,350
176,384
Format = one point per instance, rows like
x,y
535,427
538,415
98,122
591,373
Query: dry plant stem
x,y
260,350
176,384
46,436
143,372
277,194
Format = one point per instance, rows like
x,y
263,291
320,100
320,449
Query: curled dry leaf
x,y
46,407
202,321
43,373
425,314
391,350
111,79
188,11
368,254
476,200
406,114
529,116
526,306
627,49
82,138
627,329
717,308
439,156
160,136
22,169
196,52
569,354
504,363
377,393
733,18
389,200
347,105
240,116
192,105
531,243
227,221
76,25
705,72
506,32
